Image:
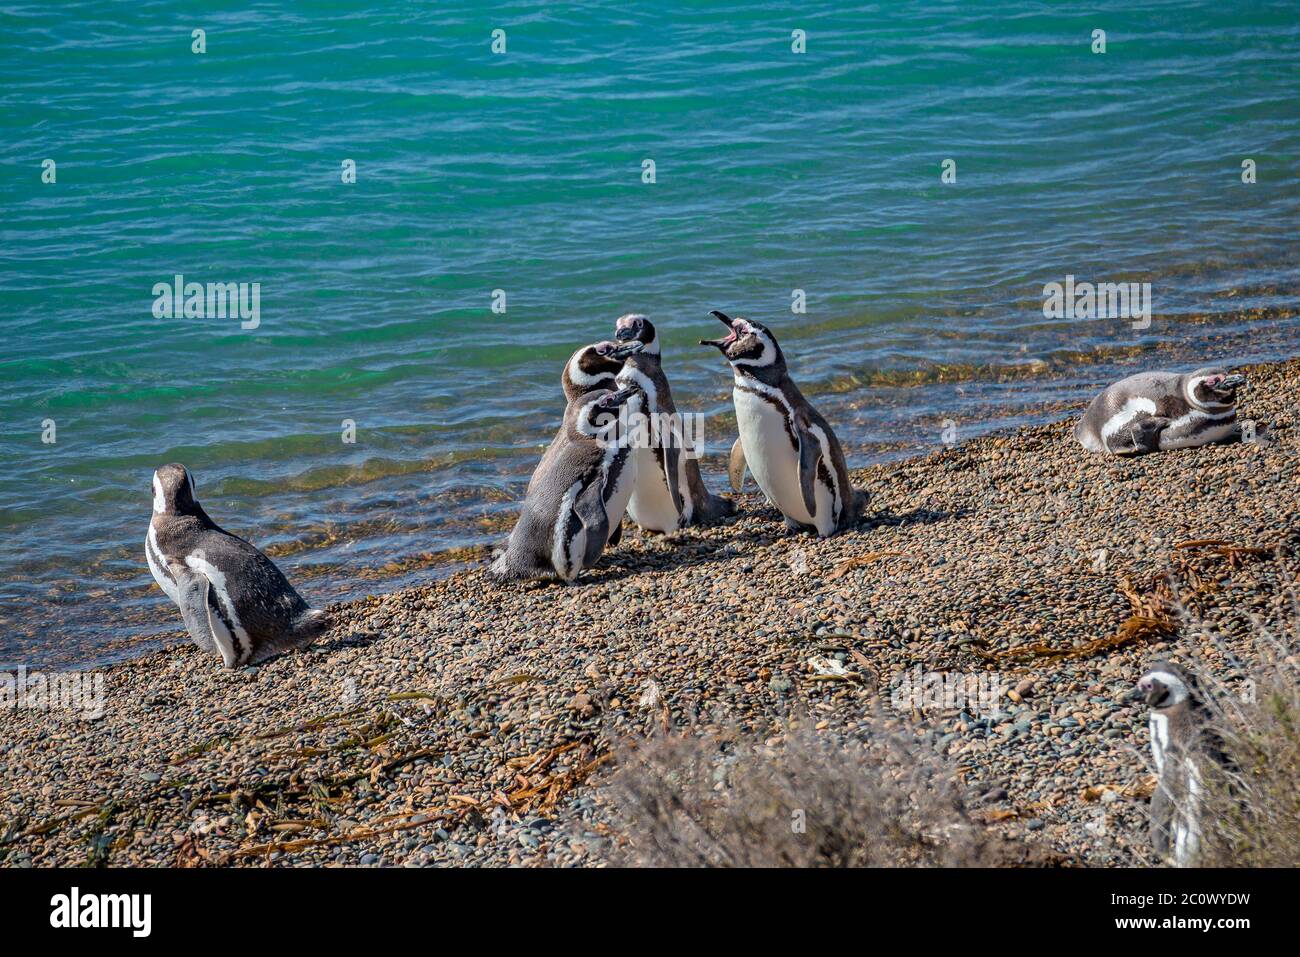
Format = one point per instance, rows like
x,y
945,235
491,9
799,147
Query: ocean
x,y
432,205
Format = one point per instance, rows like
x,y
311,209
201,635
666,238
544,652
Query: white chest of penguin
x,y
151,550
651,505
773,458
619,492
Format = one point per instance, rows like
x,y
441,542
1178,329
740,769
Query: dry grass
x,y
818,800
1251,807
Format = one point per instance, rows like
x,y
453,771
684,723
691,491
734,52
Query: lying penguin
x,y
666,498
792,451
1184,743
1157,411
232,598
577,494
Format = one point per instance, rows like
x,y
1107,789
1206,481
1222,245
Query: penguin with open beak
x,y
787,445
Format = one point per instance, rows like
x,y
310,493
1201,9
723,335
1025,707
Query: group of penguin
x,y
590,476
234,601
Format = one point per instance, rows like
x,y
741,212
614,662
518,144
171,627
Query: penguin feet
x,y
306,629
721,507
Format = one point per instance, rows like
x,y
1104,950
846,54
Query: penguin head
x,y
612,400
595,366
637,328
598,416
750,346
1213,387
173,490
1163,686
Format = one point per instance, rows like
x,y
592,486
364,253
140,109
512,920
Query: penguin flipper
x,y
193,602
736,466
221,635
590,509
617,537
1143,435
672,454
810,453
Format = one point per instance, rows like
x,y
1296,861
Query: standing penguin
x,y
1184,741
591,369
1156,411
232,597
577,494
666,498
790,448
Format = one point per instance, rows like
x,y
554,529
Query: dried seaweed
x,y
1153,608
844,567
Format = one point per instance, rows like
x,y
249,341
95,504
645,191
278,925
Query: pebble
x,y
515,692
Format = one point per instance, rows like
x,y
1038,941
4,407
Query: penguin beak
x,y
1231,383
615,399
626,348
728,340
1151,693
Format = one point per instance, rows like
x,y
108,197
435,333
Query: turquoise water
x,y
522,171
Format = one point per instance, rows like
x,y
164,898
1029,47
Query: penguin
x,y
593,368
232,598
1157,411
784,441
666,498
577,493
1184,741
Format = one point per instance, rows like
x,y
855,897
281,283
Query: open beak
x,y
729,339
1231,383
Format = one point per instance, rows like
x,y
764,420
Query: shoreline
x,y
454,530
464,722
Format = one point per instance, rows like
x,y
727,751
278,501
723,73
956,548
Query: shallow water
x,y
775,172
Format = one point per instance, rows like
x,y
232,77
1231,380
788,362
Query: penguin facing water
x,y
232,598
1184,741
1158,411
792,451
577,494
670,492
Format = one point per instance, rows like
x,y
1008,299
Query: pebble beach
x,y
465,723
